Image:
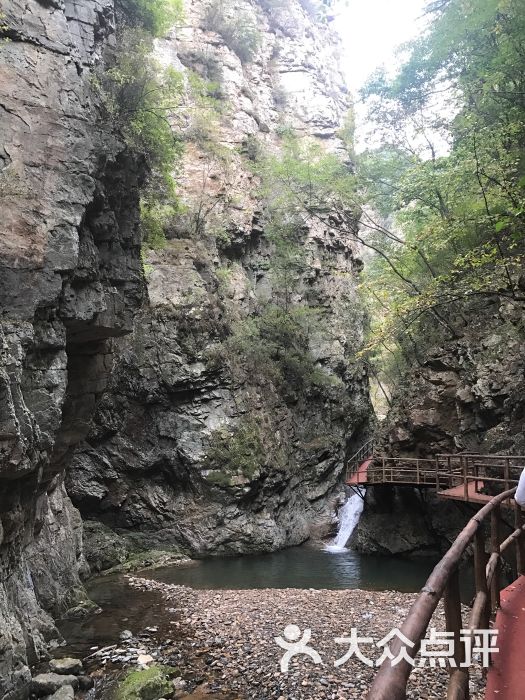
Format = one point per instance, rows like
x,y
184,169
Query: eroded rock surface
x,y
466,396
468,393
70,278
179,384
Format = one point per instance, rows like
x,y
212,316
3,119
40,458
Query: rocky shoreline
x,y
222,643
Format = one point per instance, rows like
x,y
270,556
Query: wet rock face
x,y
468,393
70,278
177,385
407,522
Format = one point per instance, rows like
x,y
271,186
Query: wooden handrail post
x,y
437,474
452,604
506,474
480,564
520,549
494,548
465,480
384,470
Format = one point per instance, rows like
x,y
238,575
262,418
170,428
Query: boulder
x,y
67,666
49,683
146,684
66,692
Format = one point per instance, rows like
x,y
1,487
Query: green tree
x,y
449,179
157,17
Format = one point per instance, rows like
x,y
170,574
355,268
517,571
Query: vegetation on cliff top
x,y
447,182
156,17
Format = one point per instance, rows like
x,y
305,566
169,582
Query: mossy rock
x,y
152,559
147,684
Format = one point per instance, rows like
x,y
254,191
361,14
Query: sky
x,y
371,30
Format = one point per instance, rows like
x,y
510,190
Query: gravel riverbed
x,y
226,644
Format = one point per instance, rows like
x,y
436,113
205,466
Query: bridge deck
x,y
460,477
472,495
506,676
361,475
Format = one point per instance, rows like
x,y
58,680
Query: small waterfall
x,y
348,515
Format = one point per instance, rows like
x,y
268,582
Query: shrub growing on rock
x,y
237,27
241,452
156,17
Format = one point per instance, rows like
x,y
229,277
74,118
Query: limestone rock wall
x,y
145,464
70,279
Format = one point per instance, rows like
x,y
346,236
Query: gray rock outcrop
x,y
196,444
465,396
70,278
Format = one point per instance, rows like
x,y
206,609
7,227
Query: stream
x,y
307,566
310,566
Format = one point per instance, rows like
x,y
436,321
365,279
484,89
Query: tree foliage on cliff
x,y
236,25
448,176
150,104
157,17
139,95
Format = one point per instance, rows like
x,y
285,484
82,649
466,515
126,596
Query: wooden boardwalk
x,y
471,478
470,494
360,476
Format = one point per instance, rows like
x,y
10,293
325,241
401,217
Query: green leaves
x,y
157,17
237,26
448,181
501,225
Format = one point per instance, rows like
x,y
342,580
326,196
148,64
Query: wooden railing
x,y
396,470
473,473
363,453
489,474
402,470
391,681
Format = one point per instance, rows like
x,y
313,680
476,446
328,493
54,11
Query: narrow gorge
x,y
234,399
228,284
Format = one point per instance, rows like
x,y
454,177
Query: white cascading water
x,y
348,516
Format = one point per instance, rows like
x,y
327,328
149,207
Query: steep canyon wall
x,y
70,279
200,443
172,425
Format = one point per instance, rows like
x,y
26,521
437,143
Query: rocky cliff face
x,y
178,428
465,396
70,278
199,443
